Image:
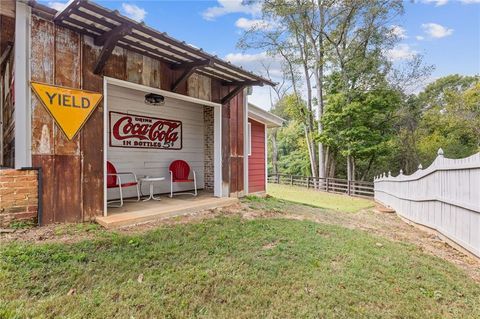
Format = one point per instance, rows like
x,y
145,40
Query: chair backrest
x,y
111,180
180,169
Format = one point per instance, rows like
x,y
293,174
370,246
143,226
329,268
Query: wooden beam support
x,y
189,69
232,94
185,75
117,33
109,44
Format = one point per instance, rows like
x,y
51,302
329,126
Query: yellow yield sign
x,y
70,108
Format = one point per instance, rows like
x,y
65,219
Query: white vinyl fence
x,y
445,196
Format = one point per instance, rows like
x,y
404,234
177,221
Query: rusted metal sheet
x,y
200,86
67,73
143,70
7,31
151,72
92,153
46,162
169,76
116,66
42,61
7,8
134,67
67,188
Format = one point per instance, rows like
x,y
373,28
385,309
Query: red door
x,y
256,159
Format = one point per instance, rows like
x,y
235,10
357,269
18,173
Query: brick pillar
x,y
18,195
208,146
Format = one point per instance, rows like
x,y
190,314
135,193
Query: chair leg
x,y
138,193
171,185
195,183
121,195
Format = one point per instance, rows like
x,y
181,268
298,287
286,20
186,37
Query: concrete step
x,y
166,208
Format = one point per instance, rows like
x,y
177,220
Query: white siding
x,y
445,197
155,162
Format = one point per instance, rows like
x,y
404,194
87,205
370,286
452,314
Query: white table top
x,y
152,179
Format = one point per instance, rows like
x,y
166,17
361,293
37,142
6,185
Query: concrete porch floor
x,y
138,212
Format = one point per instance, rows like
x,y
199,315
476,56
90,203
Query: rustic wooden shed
x,y
92,48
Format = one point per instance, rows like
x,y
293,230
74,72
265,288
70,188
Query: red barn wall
x,y
256,161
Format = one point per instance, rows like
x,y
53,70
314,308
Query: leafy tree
x,y
361,127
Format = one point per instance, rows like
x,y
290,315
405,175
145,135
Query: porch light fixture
x,y
154,99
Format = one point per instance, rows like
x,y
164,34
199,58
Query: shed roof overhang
x,y
110,29
265,117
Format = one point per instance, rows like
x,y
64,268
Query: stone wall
x,y
18,195
209,146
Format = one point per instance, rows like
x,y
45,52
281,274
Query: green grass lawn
x,y
319,199
232,268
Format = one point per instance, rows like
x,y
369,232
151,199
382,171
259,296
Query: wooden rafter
x,y
233,93
116,33
109,41
246,83
189,69
194,64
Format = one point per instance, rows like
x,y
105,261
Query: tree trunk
x,y
349,167
274,152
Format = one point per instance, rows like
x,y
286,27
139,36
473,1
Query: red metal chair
x,y
180,173
114,181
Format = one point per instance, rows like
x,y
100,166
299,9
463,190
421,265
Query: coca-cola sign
x,y
139,131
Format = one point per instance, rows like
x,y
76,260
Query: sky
x,y
445,32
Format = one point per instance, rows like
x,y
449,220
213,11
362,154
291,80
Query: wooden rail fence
x,y
445,197
330,185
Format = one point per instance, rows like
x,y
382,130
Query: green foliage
x,y
386,130
292,149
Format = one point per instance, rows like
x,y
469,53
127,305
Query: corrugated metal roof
x,y
91,19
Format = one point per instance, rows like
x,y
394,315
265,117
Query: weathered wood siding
x,y
7,128
155,162
256,160
73,170
445,196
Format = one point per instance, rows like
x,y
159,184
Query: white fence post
x,y
444,196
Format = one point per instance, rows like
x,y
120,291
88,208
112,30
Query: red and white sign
x,y
139,131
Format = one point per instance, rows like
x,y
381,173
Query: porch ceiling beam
x,y
194,64
232,94
109,44
116,34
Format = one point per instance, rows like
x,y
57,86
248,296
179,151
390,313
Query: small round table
x,y
150,180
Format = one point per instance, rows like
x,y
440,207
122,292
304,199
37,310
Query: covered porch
x,y
143,139
143,211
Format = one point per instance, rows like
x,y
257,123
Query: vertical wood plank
x,y
92,134
46,162
134,67
68,203
67,73
42,65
